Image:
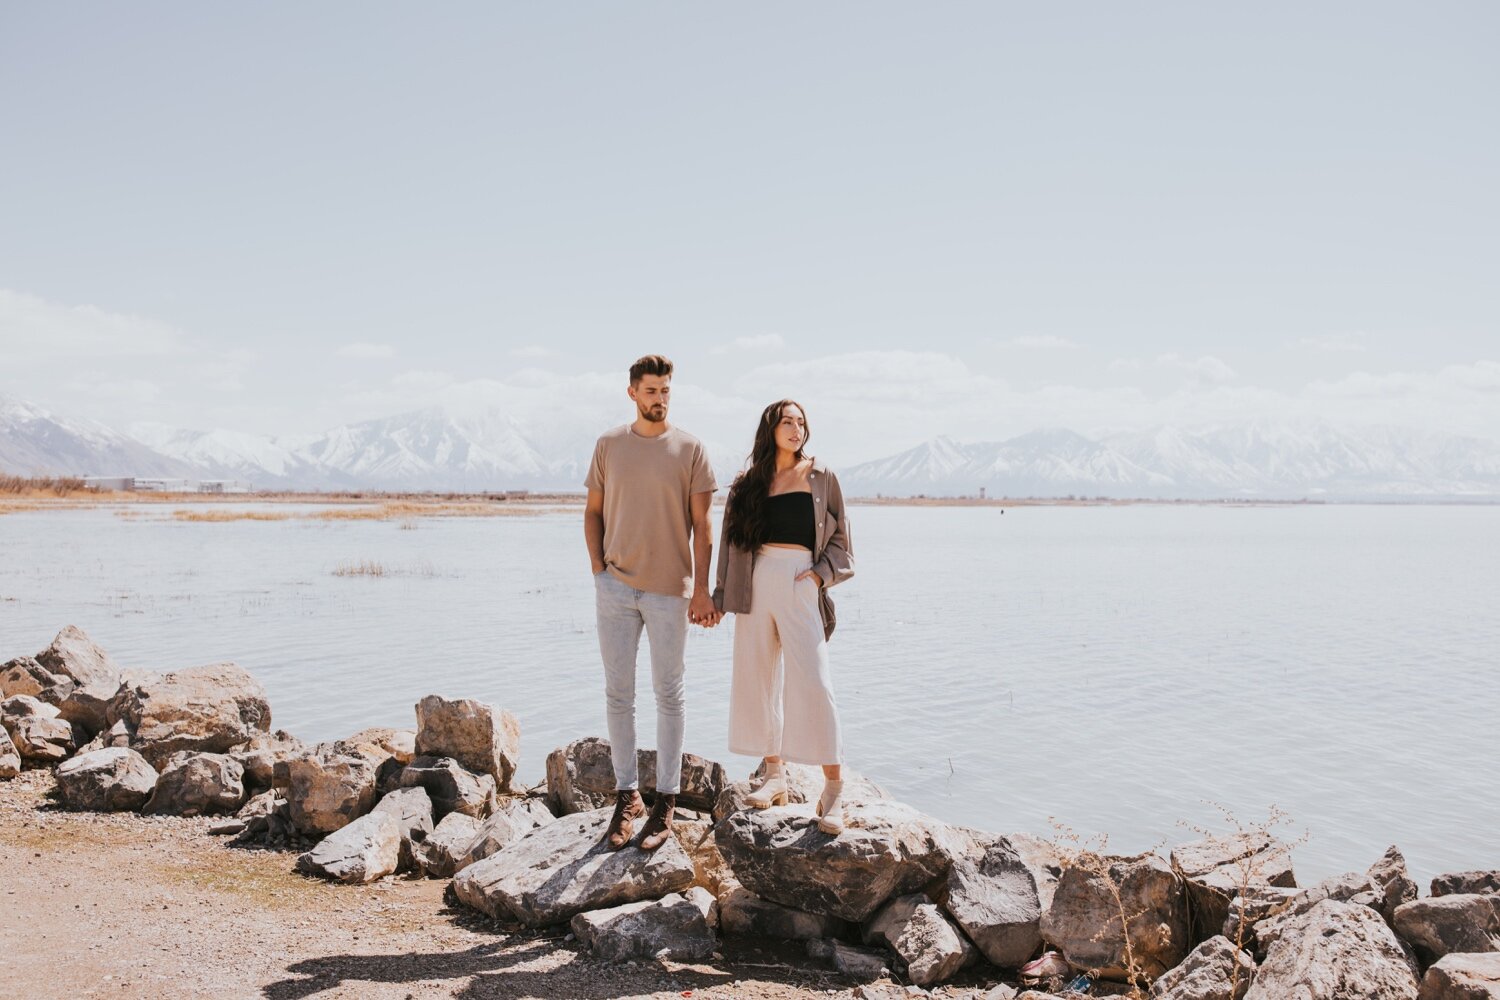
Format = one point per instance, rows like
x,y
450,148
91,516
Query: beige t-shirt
x,y
647,483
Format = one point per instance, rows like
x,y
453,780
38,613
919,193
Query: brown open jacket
x,y
833,558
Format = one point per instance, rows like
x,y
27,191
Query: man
x,y
648,533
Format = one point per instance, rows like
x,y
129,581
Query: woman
x,y
784,542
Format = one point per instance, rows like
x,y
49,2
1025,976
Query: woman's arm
x,y
836,564
721,572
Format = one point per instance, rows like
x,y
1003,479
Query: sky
x,y
971,219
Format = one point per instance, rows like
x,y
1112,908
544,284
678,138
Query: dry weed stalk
x,y
1251,866
1091,856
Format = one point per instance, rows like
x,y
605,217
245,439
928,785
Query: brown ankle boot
x,y
658,827
628,807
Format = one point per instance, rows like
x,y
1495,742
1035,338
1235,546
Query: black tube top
x,y
789,520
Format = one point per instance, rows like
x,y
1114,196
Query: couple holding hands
x,y
785,540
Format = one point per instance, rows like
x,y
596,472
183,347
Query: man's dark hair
x,y
651,364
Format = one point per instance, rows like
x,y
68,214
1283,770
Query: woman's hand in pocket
x,y
808,574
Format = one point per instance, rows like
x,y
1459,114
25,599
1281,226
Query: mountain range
x,y
487,449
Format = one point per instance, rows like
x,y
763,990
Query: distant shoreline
x,y
413,503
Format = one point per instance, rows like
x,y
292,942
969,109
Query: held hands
x,y
701,610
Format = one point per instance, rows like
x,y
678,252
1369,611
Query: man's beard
x,y
655,413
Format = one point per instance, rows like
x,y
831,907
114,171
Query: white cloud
x,y
1208,370
1043,342
33,329
758,342
1335,343
101,385
366,351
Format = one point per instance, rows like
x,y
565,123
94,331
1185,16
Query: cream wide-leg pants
x,y
781,699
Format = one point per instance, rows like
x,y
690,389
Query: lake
x,y
1117,668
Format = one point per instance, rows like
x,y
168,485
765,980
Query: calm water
x,y
1117,668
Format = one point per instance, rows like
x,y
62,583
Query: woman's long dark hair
x,y
745,510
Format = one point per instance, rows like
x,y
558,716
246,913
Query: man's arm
x,y
593,528
701,608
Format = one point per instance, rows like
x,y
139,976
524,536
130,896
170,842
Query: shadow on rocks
x,y
485,967
330,971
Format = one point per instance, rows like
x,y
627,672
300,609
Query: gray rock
x,y
744,914
564,868
108,780
1456,883
1083,921
804,784
1334,951
710,870
211,709
413,811
1249,909
328,787
1217,869
861,964
198,784
441,854
513,818
887,849
1392,885
87,706
260,804
1208,973
23,706
262,752
452,787
581,776
43,739
398,743
1350,887
75,656
1463,977
484,739
930,946
1441,925
997,902
24,675
676,927
10,757
361,851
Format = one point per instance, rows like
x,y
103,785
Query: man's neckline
x,y
630,429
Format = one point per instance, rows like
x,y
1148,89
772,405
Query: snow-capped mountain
x,y
1255,459
435,449
36,442
489,447
224,454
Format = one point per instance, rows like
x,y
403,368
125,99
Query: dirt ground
x,y
119,905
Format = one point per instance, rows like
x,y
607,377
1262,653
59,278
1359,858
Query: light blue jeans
x,y
623,611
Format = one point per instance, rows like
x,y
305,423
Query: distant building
x,y
222,486
114,483
161,485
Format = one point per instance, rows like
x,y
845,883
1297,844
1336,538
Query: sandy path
x,y
118,905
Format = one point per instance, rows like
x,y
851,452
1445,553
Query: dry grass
x,y
33,486
405,510
215,516
364,567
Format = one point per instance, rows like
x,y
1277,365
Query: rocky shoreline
x,y
898,904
